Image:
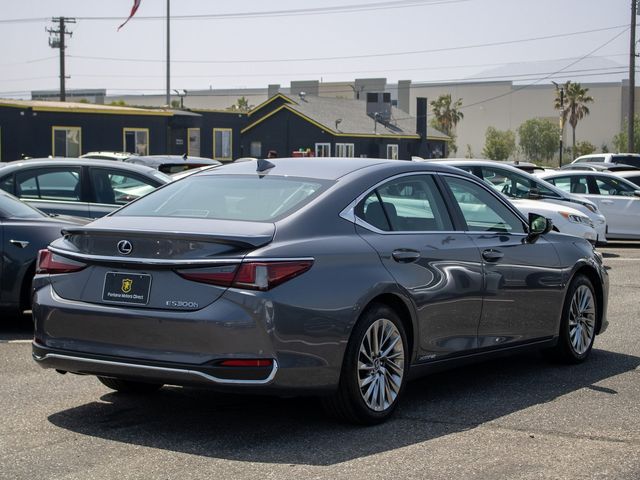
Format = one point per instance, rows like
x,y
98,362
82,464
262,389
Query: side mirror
x,y
538,225
636,193
534,194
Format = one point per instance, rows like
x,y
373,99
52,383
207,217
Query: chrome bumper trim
x,y
149,368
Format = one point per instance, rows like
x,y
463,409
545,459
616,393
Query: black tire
x,y
577,351
348,402
128,386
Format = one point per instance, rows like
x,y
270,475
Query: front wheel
x,y
128,386
374,369
578,326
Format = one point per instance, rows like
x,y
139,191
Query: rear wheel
x,y
374,369
128,386
578,327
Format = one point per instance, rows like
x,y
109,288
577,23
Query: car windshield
x,y
11,207
226,197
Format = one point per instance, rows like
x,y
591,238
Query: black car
x,y
23,230
80,187
172,163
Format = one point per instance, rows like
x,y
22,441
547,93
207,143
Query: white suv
x,y
632,159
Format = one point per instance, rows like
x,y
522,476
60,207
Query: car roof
x,y
325,168
76,162
155,160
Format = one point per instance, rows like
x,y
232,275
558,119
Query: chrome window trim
x,y
348,213
150,368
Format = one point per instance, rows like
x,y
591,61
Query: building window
x,y
392,152
323,149
222,147
255,150
66,141
345,150
136,140
193,148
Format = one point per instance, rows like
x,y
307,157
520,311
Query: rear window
x,y
626,159
224,197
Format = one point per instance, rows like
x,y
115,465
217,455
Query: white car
x,y
632,159
518,185
565,219
616,197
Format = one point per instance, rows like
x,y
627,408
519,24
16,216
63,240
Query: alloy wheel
x,y
582,319
381,365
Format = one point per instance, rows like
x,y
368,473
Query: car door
x,y
523,280
618,203
406,221
112,187
54,190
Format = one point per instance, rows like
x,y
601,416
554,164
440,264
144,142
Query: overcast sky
x,y
419,40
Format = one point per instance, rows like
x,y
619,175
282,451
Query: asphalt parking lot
x,y
520,417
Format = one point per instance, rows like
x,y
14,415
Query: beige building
x,y
501,104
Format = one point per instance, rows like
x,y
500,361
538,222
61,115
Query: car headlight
x,y
573,218
591,206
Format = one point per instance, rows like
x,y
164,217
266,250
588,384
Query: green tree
x,y
573,108
499,144
241,105
539,139
620,141
584,148
446,116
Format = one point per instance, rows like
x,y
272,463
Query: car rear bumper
x,y
184,348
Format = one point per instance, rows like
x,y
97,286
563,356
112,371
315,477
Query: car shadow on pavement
x,y
296,431
16,327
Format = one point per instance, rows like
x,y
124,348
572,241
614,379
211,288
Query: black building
x,y
327,126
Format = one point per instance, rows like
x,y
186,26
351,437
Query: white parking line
x,y
625,259
20,341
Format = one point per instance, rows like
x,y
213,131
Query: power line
x,y
352,57
363,7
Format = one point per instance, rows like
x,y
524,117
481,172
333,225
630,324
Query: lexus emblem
x,y
125,247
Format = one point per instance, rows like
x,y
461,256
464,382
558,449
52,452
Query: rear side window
x,y
592,159
407,204
49,184
483,212
227,197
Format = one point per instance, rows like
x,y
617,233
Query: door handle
x,y
405,256
491,255
19,243
606,202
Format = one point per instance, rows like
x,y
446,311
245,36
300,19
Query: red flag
x,y
134,9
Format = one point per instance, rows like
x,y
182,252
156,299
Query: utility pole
x,y
632,77
168,55
57,38
561,88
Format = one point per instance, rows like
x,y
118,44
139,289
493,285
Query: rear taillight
x,y
249,275
49,262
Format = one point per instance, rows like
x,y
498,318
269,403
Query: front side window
x,y
392,152
222,147
481,211
49,184
592,159
67,141
345,150
613,186
513,184
228,197
255,150
136,140
323,149
113,187
406,204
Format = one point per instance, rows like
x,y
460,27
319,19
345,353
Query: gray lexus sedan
x,y
339,277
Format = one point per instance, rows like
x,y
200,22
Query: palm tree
x,y
446,113
574,108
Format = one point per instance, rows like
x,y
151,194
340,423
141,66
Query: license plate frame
x,y
126,288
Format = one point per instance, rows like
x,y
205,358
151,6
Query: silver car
x,y
335,277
